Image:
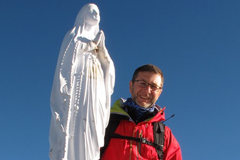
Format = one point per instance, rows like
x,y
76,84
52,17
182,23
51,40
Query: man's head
x,y
146,85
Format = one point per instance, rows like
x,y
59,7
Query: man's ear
x,y
130,86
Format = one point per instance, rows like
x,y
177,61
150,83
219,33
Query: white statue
x,y
81,92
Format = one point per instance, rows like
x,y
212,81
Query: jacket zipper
x,y
130,154
139,144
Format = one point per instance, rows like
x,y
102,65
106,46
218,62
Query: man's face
x,y
145,97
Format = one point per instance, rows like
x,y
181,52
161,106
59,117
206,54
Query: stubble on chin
x,y
141,104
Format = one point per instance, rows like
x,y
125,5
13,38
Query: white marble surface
x,y
83,83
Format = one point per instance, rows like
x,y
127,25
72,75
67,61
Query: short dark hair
x,y
148,68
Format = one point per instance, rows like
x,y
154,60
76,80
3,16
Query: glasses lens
x,y
154,88
142,84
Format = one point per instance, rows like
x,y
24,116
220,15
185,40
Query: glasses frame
x,y
158,88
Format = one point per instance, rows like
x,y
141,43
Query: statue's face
x,y
92,17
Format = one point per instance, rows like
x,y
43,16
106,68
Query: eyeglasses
x,y
144,84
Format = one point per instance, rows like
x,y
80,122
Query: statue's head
x,y
89,14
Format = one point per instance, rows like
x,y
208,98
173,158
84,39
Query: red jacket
x,y
122,149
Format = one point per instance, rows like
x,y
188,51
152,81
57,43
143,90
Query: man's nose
x,y
148,88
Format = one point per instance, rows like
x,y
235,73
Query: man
x,y
133,120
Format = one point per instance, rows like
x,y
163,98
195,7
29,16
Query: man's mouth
x,y
144,97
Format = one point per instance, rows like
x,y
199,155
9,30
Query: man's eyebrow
x,y
154,84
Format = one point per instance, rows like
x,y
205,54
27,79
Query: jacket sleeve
x,y
171,149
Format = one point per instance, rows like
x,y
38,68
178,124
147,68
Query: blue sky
x,y
195,43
